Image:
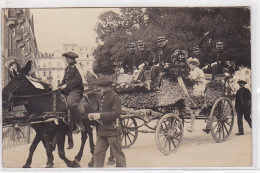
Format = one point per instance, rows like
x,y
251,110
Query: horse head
x,y
18,85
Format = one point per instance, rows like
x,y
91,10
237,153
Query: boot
x,y
77,116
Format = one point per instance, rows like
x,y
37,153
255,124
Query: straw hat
x,y
194,61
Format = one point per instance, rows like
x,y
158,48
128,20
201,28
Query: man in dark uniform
x,y
243,106
143,55
73,87
219,60
196,53
162,57
128,61
108,130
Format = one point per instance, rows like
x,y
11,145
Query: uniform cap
x,y
103,81
160,39
140,42
70,55
131,45
242,82
196,48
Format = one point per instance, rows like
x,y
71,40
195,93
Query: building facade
x,y
51,68
18,39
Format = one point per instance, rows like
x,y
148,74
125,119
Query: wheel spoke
x,y
173,143
125,141
131,134
223,130
129,139
131,124
227,123
165,143
225,127
169,145
165,125
127,122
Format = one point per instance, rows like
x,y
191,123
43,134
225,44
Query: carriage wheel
x,y
221,119
129,133
169,133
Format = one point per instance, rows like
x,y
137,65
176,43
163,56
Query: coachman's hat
x,y
71,55
242,82
103,81
131,45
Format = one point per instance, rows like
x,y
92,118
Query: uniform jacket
x,y
220,57
162,54
145,56
110,110
128,61
243,99
72,79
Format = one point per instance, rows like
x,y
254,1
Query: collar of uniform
x,y
107,93
72,64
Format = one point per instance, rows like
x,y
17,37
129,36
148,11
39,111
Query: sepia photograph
x,y
128,87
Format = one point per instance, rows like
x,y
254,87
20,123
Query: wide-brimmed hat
x,y
194,61
103,81
196,48
241,82
71,55
131,45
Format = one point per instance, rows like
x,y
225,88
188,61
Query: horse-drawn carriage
x,y
167,120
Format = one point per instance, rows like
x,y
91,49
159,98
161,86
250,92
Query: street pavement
x,y
197,149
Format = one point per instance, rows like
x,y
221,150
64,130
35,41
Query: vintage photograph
x,y
154,87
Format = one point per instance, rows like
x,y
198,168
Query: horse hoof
x,y
26,166
90,164
70,147
111,162
49,165
75,164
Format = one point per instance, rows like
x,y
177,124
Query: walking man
x,y
72,85
243,106
108,130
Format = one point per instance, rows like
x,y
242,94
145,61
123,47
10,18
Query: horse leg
x,y
83,141
33,146
49,149
60,143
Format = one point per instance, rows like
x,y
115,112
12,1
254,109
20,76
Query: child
x,y
197,76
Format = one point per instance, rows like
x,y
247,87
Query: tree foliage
x,y
183,27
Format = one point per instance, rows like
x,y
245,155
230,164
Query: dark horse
x,y
38,102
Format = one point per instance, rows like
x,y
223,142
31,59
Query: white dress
x,y
198,77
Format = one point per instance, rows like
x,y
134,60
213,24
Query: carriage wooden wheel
x,y
129,131
221,119
169,133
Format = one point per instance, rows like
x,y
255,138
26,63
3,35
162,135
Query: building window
x,y
58,82
44,73
49,73
87,55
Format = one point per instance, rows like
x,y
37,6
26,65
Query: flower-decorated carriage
x,y
164,111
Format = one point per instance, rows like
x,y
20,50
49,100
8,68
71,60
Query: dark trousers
x,y
73,99
101,147
70,138
246,112
156,75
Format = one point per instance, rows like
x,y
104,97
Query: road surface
x,y
198,149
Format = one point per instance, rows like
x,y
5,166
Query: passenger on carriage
x,y
142,59
128,59
197,76
162,57
196,53
217,62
